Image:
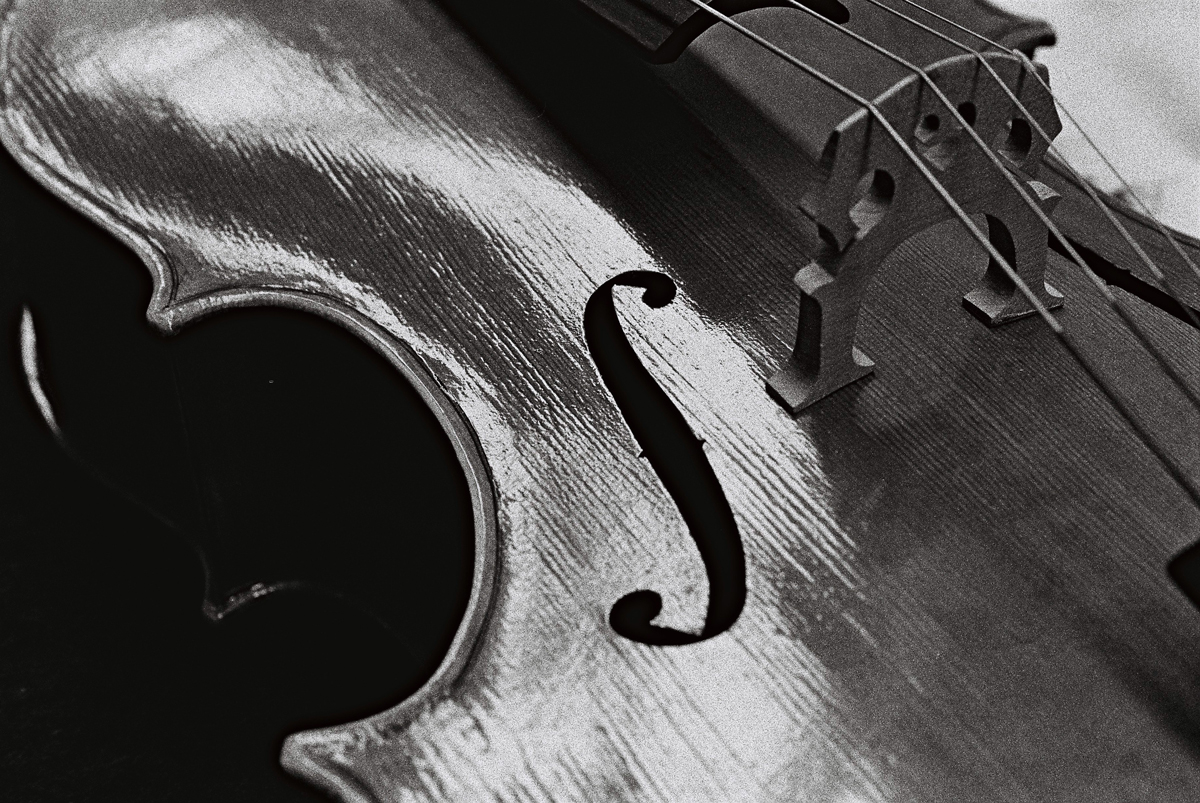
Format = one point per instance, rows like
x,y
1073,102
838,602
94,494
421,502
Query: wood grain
x,y
954,572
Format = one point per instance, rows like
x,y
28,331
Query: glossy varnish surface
x,y
954,571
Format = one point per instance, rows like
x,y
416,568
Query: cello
x,y
717,556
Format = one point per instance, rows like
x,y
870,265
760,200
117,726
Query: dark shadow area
x,y
1117,276
1184,569
700,21
272,442
906,516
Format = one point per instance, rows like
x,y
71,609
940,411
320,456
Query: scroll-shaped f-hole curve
x,y
677,457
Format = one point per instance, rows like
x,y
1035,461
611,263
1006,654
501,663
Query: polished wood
x,y
955,584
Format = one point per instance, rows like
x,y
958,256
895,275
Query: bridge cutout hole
x,y
928,127
1018,139
969,112
996,279
941,153
875,192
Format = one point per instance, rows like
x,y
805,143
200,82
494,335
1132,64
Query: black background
x,y
267,443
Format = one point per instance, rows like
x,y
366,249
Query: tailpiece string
x,y
1114,398
1109,297
1031,70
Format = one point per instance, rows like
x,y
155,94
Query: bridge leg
x,y
1020,237
825,358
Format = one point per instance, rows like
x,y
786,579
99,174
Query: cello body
x,y
954,582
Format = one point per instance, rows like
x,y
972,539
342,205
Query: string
x,y
1111,299
1060,334
1031,70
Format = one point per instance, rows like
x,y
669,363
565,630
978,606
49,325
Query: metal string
x,y
1112,300
1155,271
1085,365
1030,69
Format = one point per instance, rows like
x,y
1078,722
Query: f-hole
x,y
678,458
